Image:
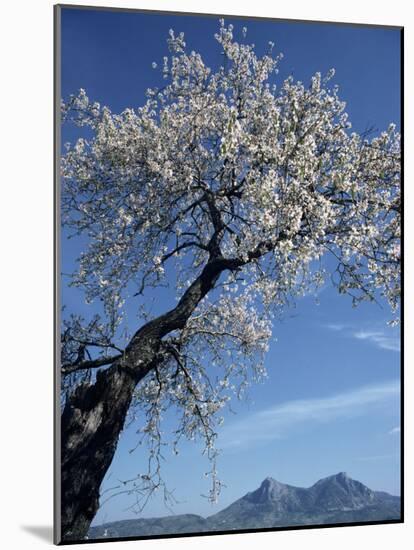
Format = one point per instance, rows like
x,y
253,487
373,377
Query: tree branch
x,y
92,364
181,247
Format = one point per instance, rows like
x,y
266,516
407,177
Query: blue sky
x,y
331,402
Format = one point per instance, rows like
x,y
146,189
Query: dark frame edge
x,y
234,532
56,277
402,332
225,15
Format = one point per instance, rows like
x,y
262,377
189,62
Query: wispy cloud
x,y
374,458
395,430
273,423
379,338
382,338
337,327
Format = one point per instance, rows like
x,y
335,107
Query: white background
x,y
26,202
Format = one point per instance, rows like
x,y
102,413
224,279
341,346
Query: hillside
x,y
334,499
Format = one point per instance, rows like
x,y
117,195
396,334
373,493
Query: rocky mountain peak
x,y
340,491
269,490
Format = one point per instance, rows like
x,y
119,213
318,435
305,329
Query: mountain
x,y
334,499
341,492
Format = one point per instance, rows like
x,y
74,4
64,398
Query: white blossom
x,y
267,178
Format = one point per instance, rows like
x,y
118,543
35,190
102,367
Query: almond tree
x,y
241,188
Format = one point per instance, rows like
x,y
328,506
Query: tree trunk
x,y
94,414
92,420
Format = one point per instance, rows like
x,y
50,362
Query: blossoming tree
x,y
241,188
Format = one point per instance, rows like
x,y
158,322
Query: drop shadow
x,y
43,532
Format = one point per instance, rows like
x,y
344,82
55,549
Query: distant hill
x,y
180,523
334,499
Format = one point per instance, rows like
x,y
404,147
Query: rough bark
x,y
94,414
92,420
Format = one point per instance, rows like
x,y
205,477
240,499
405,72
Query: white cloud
x,y
395,430
385,339
337,327
379,338
375,458
274,422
